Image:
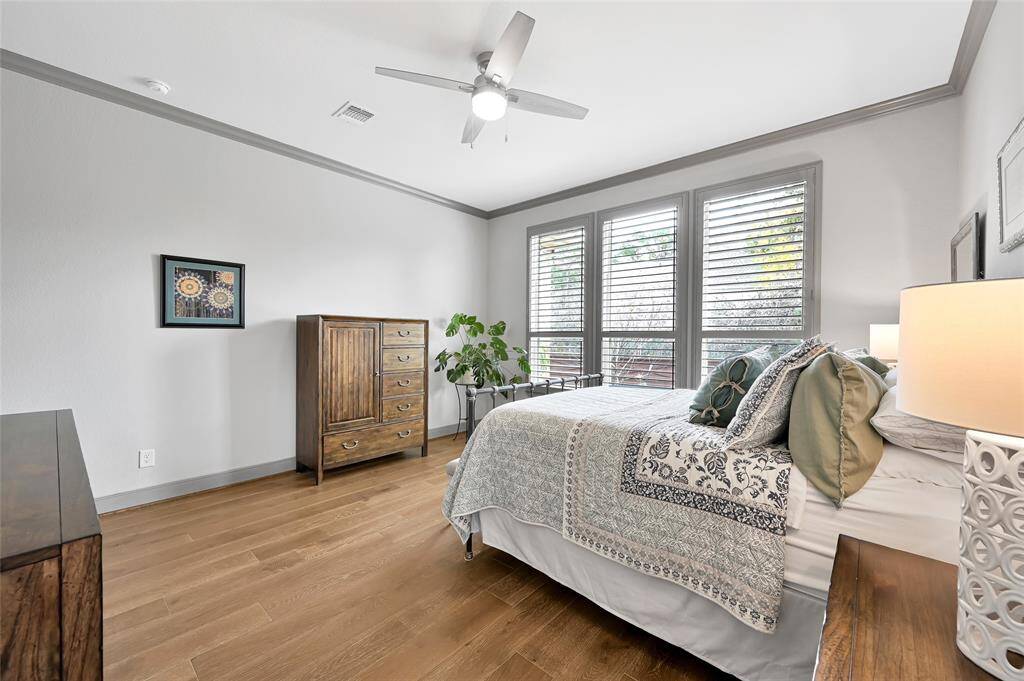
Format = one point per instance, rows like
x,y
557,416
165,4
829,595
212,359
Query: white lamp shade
x,y
961,354
884,341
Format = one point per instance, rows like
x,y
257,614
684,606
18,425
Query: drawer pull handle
x,y
405,433
345,445
404,333
406,383
404,358
405,407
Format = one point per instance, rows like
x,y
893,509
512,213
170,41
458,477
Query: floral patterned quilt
x,y
623,473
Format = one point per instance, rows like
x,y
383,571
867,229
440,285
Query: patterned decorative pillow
x,y
716,400
763,413
913,432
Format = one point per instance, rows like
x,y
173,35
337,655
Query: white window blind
x,y
754,284
639,253
556,301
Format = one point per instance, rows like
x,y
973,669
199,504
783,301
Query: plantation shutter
x,y
556,299
755,282
638,273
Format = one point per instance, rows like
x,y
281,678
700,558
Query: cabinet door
x,y
350,374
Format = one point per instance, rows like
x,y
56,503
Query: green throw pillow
x,y
716,399
830,434
873,363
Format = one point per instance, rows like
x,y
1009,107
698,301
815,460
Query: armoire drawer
x,y
401,408
357,444
397,334
401,359
393,385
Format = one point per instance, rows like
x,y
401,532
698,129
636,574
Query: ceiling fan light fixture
x,y
489,102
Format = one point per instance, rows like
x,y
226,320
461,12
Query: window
x,y
657,293
639,251
756,282
556,281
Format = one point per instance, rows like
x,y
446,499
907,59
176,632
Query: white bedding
x,y
908,504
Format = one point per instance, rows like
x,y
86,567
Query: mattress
x,y
905,505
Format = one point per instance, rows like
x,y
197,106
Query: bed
x,y
911,503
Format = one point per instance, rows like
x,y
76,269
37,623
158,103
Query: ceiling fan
x,y
490,94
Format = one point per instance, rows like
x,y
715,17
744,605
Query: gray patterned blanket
x,y
621,472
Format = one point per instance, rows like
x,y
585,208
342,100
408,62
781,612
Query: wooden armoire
x,y
361,389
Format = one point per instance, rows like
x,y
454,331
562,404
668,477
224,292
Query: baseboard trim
x,y
179,488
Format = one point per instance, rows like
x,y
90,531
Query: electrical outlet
x,y
147,458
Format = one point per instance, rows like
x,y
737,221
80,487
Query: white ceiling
x,y
662,80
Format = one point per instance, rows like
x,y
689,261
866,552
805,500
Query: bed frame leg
x,y
469,548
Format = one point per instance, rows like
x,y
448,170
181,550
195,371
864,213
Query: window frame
x,y
688,333
586,220
809,173
597,335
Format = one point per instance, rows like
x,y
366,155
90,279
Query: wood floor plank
x,y
518,668
419,654
281,580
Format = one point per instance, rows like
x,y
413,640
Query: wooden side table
x,y
891,615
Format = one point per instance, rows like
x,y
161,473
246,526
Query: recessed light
x,y
158,86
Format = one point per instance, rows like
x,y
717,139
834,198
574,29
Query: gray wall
x,y
94,192
888,212
991,106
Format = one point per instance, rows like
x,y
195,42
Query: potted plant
x,y
480,361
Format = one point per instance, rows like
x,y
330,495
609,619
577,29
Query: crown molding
x,y
970,42
49,73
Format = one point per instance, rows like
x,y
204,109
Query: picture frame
x,y
966,251
202,294
1010,190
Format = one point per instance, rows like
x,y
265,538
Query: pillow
x,y
914,432
716,400
830,434
892,377
905,464
873,363
763,412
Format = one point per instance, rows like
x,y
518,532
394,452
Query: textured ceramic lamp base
x,y
990,585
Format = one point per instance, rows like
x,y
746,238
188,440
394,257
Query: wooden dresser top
x,y
891,615
46,498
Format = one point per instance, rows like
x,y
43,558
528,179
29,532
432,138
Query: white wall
x,y
888,211
93,192
991,106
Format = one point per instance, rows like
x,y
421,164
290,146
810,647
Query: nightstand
x,y
890,615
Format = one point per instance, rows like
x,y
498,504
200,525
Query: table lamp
x,y
961,359
884,341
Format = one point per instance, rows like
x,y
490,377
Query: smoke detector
x,y
158,86
350,113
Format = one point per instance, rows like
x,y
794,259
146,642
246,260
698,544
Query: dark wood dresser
x,y
51,625
891,615
361,389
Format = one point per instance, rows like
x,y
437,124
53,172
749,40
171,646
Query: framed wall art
x,y
966,258
202,293
1010,190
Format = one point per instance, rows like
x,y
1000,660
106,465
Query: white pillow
x,y
914,432
891,377
906,464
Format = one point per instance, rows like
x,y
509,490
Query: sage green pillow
x,y
873,363
719,395
830,434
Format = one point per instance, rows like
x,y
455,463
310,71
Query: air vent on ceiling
x,y
351,113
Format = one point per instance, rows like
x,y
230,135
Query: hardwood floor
x,y
359,578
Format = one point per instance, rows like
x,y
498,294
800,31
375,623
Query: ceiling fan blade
x,y
542,104
510,49
473,127
423,79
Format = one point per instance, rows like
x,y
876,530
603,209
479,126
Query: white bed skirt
x,y
665,610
